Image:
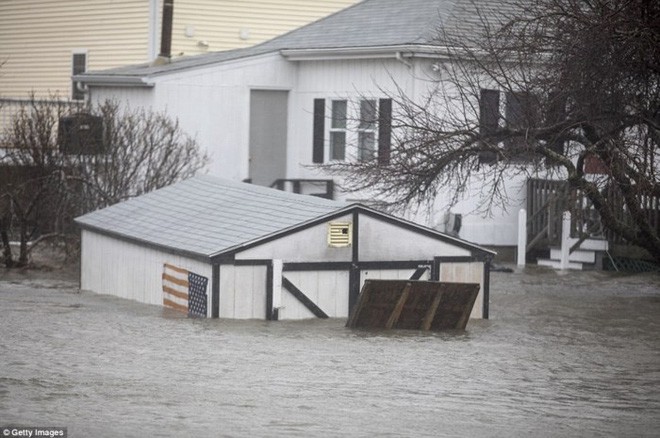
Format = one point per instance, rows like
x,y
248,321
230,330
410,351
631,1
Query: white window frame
x,y
345,130
352,130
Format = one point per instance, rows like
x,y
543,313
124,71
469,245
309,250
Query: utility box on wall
x,y
81,134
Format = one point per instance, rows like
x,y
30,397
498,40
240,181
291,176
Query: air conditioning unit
x,y
81,134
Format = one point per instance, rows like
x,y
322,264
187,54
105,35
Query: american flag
x,y
184,291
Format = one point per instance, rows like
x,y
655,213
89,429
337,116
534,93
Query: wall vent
x,y
339,234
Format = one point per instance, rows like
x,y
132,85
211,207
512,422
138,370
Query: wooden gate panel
x,y
414,305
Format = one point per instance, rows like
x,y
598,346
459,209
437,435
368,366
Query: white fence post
x,y
565,236
522,236
277,283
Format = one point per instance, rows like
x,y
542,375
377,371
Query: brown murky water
x,y
576,354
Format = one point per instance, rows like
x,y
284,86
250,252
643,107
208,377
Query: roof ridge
x,y
315,22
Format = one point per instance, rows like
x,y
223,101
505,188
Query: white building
x,y
259,253
272,111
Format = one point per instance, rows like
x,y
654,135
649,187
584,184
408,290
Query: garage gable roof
x,y
205,215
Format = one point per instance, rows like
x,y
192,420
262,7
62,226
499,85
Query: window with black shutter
x,y
363,132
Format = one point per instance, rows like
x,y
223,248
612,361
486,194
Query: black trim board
x,y
391,264
269,292
401,264
355,243
486,305
316,266
418,273
215,291
304,299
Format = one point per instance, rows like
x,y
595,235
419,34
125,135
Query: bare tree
x,y
48,179
551,87
143,151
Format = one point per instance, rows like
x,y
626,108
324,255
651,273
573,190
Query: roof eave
x,y
138,241
472,247
114,80
367,52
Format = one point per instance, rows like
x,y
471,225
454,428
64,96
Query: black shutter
x,y
556,114
384,131
79,63
489,115
319,130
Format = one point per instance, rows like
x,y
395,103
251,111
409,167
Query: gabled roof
x,y
205,217
376,24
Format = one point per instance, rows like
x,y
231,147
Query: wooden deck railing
x,y
547,199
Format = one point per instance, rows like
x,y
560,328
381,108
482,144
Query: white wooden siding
x,y
384,241
242,292
466,273
212,105
308,245
127,270
327,289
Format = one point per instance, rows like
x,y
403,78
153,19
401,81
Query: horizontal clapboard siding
x,y
220,23
37,38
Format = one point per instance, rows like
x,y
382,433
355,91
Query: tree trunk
x,y
8,260
23,253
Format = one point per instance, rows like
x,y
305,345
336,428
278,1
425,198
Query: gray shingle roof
x,y
370,23
206,215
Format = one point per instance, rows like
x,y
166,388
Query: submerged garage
x,y
218,248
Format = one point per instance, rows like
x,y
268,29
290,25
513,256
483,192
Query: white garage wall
x,y
242,292
308,245
327,289
127,270
466,273
380,240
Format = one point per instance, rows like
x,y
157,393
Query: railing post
x,y
565,236
522,236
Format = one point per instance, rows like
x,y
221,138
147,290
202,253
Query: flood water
x,y
573,354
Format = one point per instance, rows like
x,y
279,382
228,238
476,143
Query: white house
x,y
219,248
268,113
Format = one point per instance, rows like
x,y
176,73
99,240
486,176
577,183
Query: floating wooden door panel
x,y
414,305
